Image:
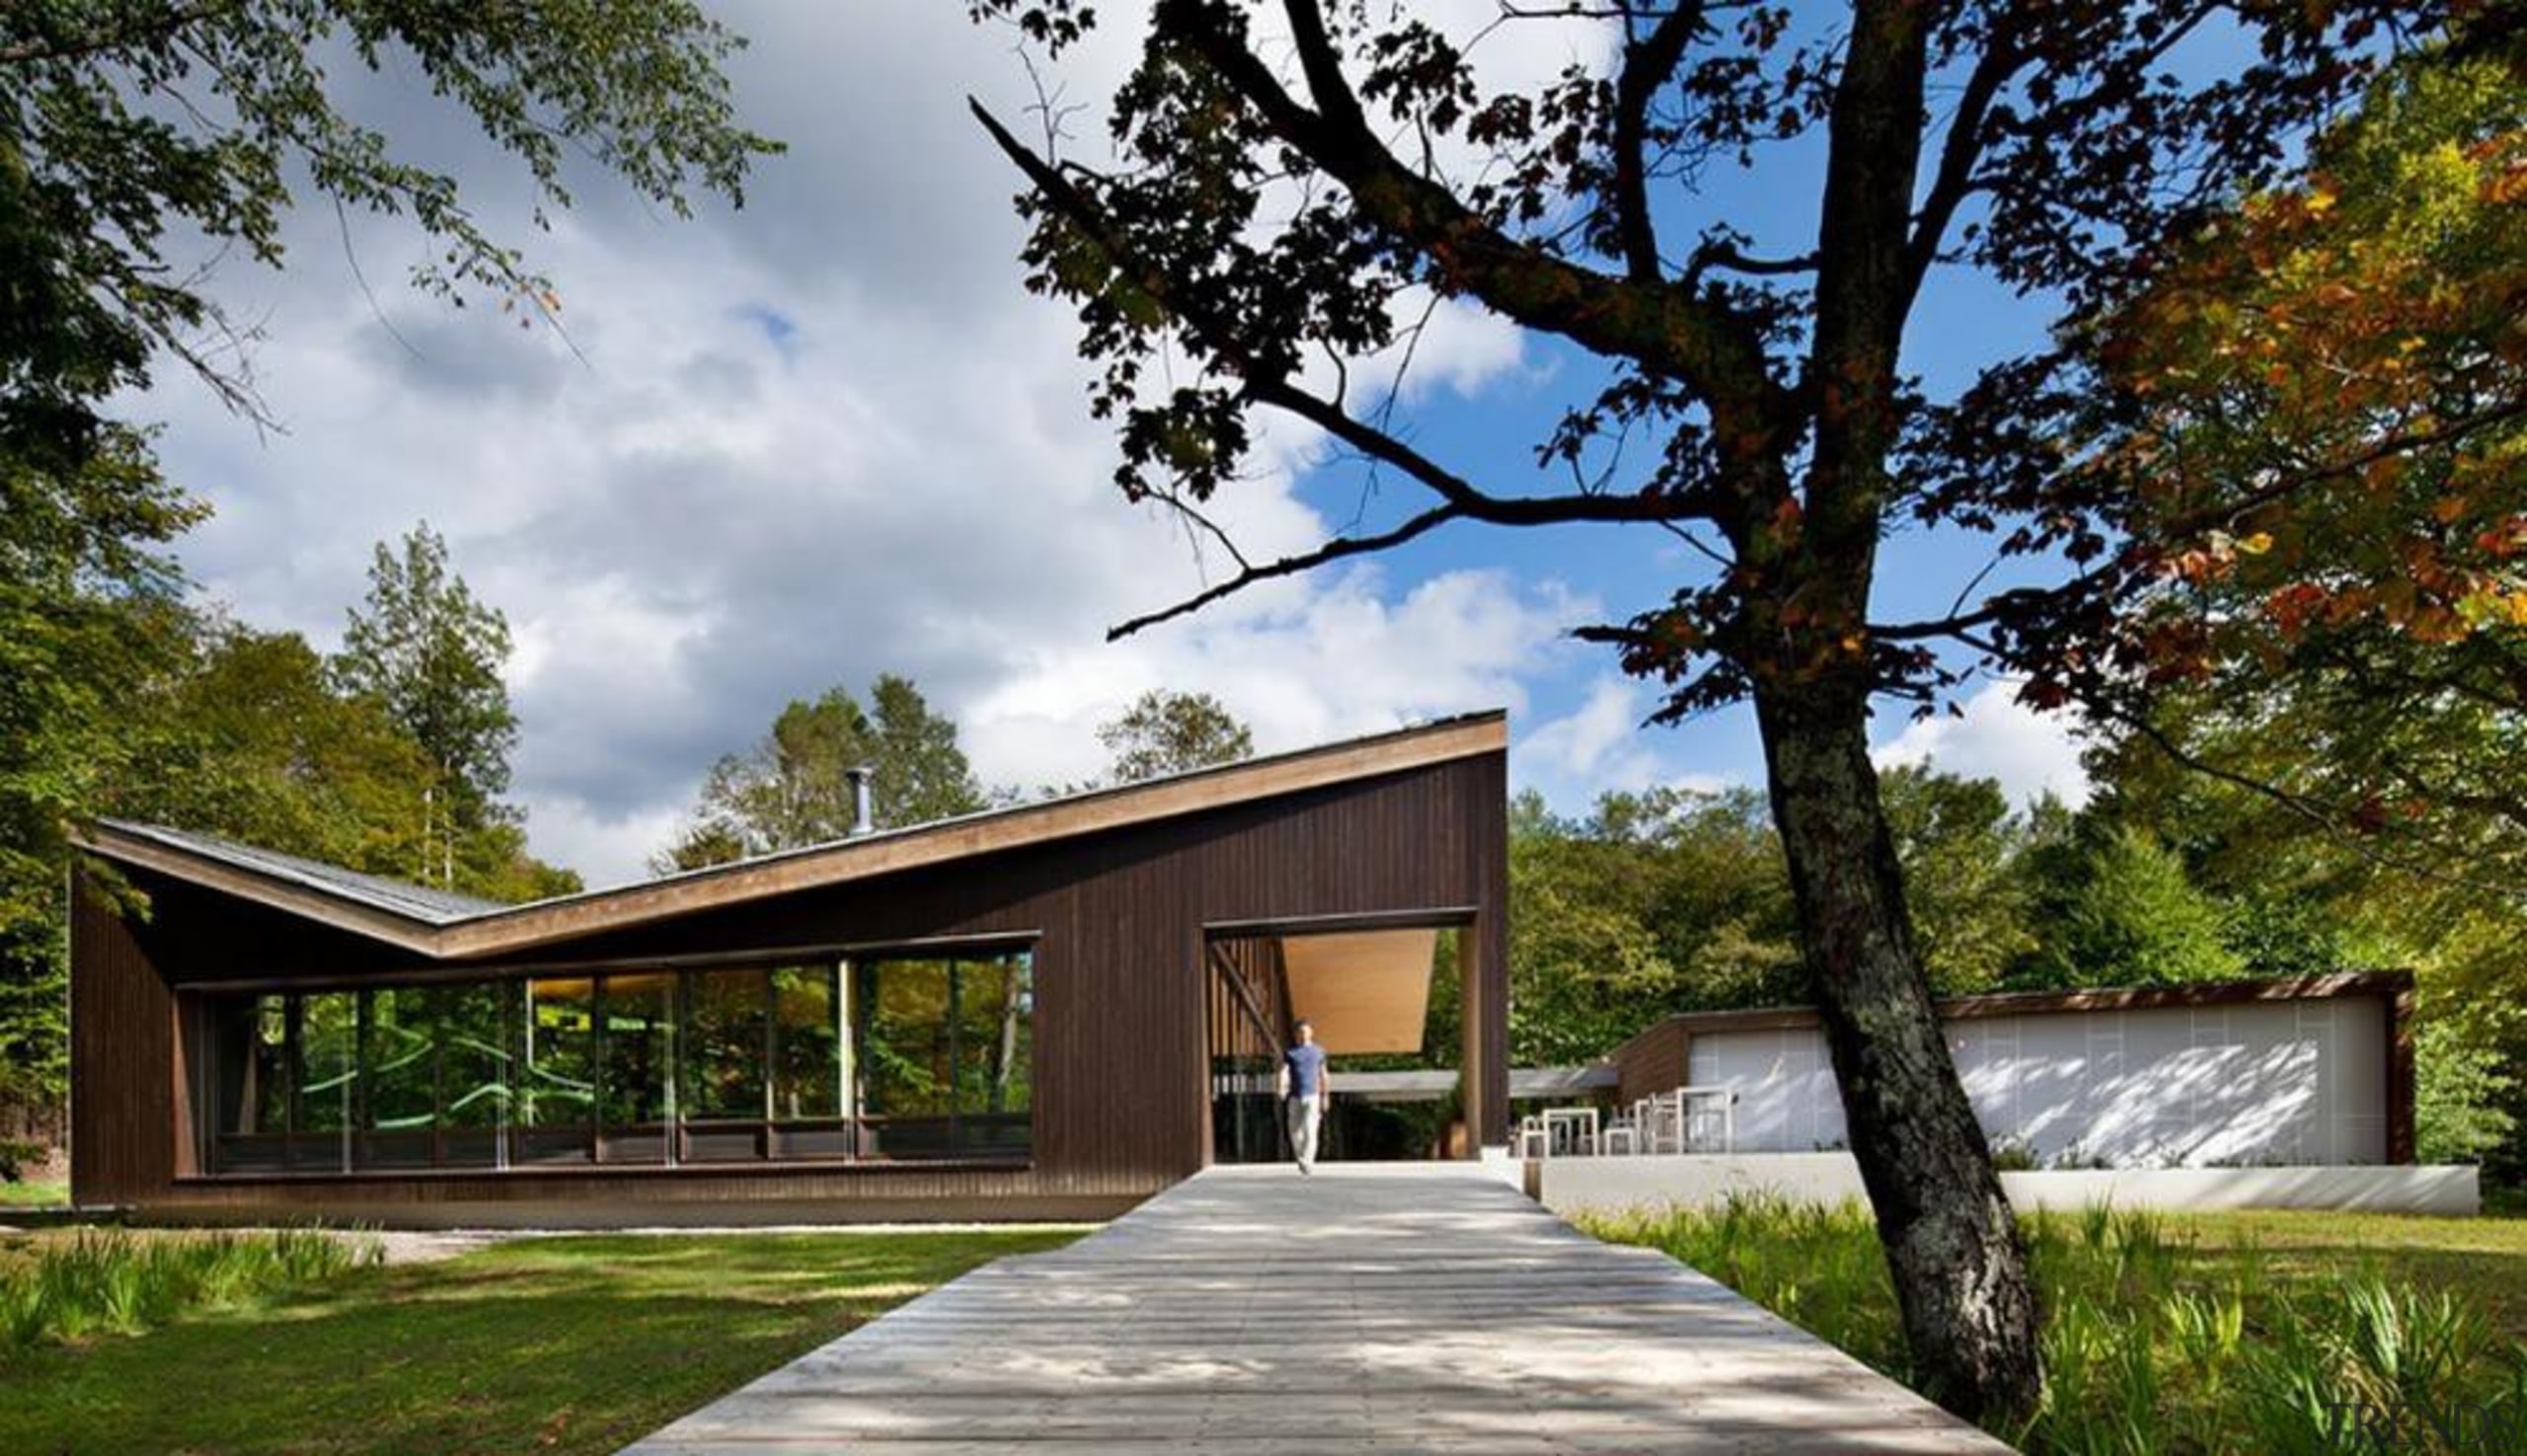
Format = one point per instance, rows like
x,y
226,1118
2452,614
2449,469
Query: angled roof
x,y
395,896
454,927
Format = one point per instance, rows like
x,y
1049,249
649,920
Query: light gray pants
x,y
1305,1114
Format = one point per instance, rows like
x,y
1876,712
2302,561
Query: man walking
x,y
1305,1090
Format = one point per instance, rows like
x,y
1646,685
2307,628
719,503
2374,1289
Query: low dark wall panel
x,y
124,1114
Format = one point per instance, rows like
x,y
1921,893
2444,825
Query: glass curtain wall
x,y
402,1077
721,1065
996,1054
249,1094
477,1074
398,1078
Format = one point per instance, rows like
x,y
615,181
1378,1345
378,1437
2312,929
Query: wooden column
x,y
2400,1074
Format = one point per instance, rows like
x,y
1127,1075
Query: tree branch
x,y
2018,602
1463,496
1290,566
25,52
1719,253
2305,808
1960,153
1874,140
2449,432
1647,66
1323,67
1667,330
1269,387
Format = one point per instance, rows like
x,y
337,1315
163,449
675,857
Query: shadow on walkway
x,y
1407,1307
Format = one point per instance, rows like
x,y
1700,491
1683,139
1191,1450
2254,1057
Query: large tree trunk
x,y
1951,1243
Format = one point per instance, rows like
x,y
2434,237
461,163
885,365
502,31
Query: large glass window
x,y
476,1077
902,1055
808,1052
557,1073
891,1057
725,1060
249,1085
943,1053
995,1054
637,1095
398,1056
325,1078
809,1070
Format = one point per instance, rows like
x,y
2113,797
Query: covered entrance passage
x,y
1391,987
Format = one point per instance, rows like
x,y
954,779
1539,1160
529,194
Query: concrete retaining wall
x,y
1568,1185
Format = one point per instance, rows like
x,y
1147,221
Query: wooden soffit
x,y
1362,991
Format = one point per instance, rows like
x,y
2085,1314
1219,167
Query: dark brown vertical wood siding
x,y
1658,1060
2401,1144
123,1066
1486,856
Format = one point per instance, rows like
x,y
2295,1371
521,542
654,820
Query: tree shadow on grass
x,y
555,1346
2481,1260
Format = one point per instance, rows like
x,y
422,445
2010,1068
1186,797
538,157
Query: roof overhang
x,y
544,923
1537,1084
2389,984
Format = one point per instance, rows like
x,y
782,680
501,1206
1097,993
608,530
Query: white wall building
x,y
2310,1071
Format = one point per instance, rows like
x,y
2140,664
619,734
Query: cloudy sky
x,y
829,436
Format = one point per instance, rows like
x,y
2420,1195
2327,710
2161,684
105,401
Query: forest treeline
x,y
131,700
1678,900
391,756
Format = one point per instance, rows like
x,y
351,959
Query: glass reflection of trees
x,y
717,1065
944,1050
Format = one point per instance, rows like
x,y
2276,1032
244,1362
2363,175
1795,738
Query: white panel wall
x,y
2260,1082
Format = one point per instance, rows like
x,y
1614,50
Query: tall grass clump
x,y
2151,1343
1817,1266
110,1281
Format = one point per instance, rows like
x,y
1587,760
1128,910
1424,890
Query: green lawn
x,y
566,1344
36,1194
2483,1258
2185,1333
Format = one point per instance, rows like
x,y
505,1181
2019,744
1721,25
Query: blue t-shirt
x,y
1307,1068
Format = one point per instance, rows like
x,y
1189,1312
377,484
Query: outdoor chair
x,y
1707,1118
1535,1140
1571,1131
1662,1123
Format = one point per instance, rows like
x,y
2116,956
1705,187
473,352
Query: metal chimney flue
x,y
862,820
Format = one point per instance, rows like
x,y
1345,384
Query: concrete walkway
x,y
1368,1309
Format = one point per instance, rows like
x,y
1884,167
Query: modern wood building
x,y
1048,1011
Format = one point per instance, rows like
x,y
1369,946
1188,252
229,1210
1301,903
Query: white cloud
x,y
1599,748
1299,667
1462,346
1997,737
794,446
